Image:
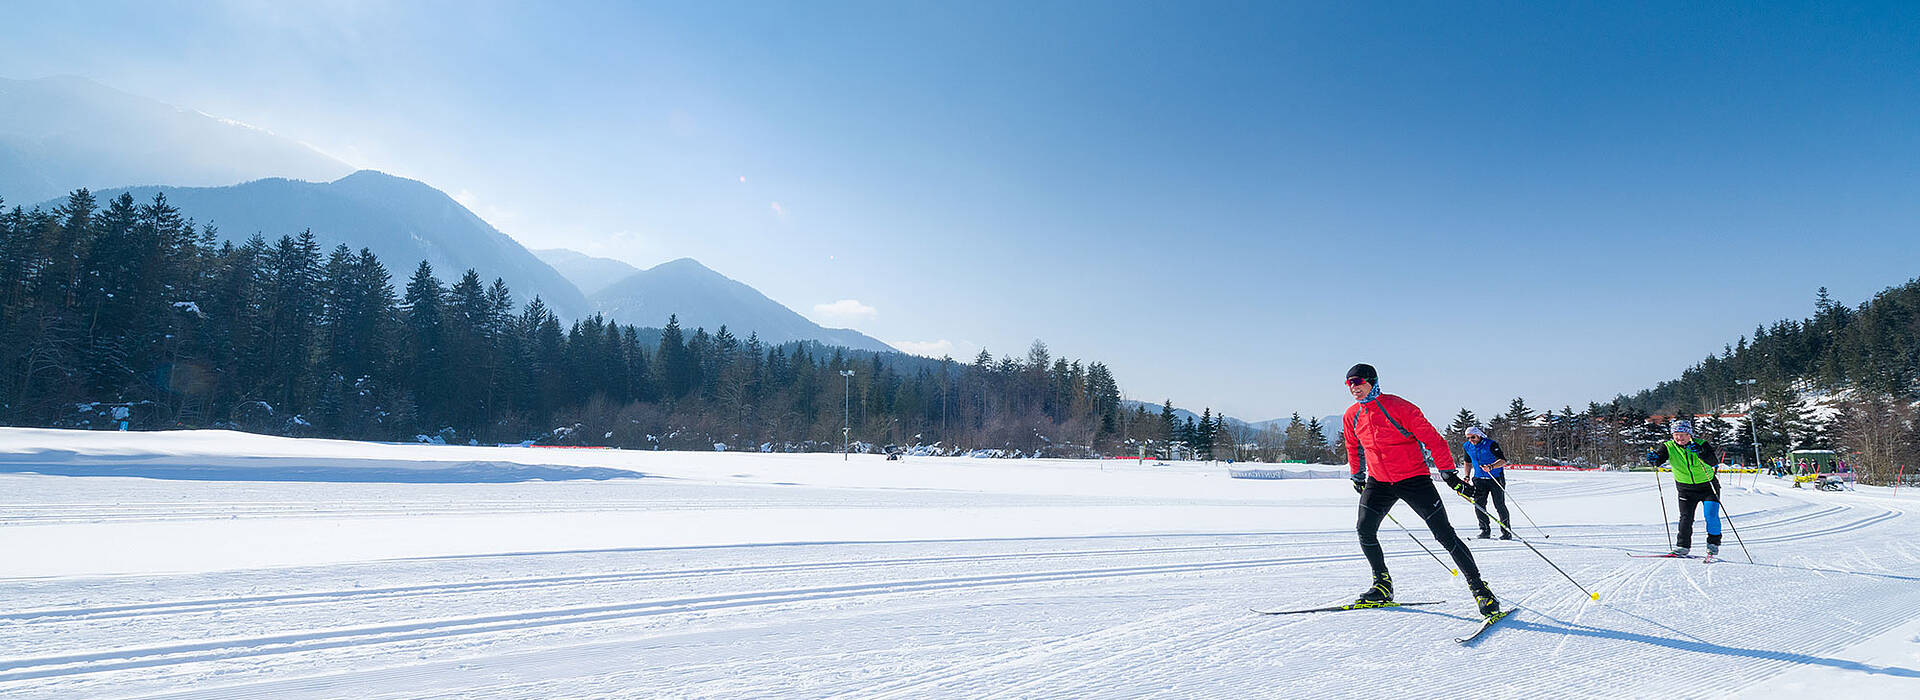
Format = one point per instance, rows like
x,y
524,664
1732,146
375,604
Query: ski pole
x,y
1736,528
1508,497
1423,545
1523,540
1659,485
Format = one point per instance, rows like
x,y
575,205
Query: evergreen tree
x,y
427,360
1169,429
1318,451
1205,435
1296,436
674,364
1517,432
1457,432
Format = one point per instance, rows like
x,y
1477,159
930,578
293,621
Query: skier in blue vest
x,y
1489,479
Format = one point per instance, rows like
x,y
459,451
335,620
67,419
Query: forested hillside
x,y
1845,379
132,312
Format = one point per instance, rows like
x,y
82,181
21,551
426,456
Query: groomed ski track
x,y
1122,614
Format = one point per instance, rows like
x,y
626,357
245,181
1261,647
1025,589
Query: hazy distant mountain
x,y
403,221
589,273
702,297
61,134
1329,425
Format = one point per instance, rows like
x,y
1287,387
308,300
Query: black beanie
x,y
1364,371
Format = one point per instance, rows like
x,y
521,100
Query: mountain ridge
x,y
700,296
403,221
62,133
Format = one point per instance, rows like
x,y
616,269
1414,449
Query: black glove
x,y
1359,484
1454,482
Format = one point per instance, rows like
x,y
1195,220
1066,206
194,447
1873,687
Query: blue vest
x,y
1481,455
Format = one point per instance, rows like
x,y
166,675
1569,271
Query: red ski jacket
x,y
1393,454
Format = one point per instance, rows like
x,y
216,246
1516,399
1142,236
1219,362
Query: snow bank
x,y
219,455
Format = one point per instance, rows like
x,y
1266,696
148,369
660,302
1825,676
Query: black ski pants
x,y
1691,496
1420,494
1496,488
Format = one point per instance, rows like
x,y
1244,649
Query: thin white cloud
x,y
925,348
844,311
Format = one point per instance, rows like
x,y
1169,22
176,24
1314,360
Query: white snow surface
x,y
210,564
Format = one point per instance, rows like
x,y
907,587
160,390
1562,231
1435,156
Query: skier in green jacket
x,y
1694,478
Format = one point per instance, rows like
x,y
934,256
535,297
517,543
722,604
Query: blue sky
x,y
1229,203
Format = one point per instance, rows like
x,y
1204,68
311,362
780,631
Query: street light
x,y
846,410
1753,426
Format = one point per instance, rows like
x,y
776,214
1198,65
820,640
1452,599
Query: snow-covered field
x,y
210,564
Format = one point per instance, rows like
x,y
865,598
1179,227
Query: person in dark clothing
x,y
1489,480
1695,479
1400,446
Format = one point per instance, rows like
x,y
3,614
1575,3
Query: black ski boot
x,y
1381,592
1484,535
1484,598
1506,534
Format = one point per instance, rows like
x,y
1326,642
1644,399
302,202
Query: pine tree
x,y
426,355
1318,450
1518,433
1457,432
1169,429
1296,436
673,362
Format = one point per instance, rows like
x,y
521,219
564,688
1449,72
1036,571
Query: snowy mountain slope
x,y
403,221
63,133
806,576
704,298
586,272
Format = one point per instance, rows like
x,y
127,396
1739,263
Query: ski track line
x,y
1836,529
1691,582
905,687
218,649
604,661
354,595
167,607
1188,641
1809,640
1182,643
1831,639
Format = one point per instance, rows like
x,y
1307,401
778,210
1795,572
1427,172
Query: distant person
x,y
1489,480
1400,447
1693,476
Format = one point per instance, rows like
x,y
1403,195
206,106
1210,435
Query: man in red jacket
x,y
1401,448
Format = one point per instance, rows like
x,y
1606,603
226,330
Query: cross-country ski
x,y
1349,606
1486,625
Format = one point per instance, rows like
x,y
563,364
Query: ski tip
x,y
1596,596
1456,572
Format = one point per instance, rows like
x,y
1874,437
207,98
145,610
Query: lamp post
x,y
846,410
1753,419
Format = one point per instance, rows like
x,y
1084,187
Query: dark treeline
x,y
1873,348
130,312
1870,354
